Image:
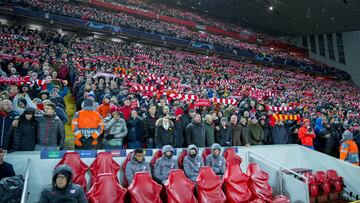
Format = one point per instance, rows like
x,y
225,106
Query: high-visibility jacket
x,y
349,152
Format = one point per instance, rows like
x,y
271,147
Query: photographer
x,y
306,134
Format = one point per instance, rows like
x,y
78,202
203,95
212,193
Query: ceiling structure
x,y
287,18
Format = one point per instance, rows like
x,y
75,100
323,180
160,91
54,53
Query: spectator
x,y
215,160
165,164
267,132
135,131
209,130
256,132
62,189
279,133
192,163
116,130
23,136
126,108
59,112
307,135
7,116
164,132
235,130
223,135
104,108
245,132
21,101
87,126
349,151
6,169
179,127
137,164
149,127
332,140
195,132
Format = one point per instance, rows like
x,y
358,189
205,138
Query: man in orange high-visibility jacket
x,y
348,149
306,134
87,126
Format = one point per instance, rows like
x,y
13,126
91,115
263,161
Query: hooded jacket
x,y
164,165
118,129
72,193
210,134
195,134
134,166
305,137
217,163
149,126
164,136
104,109
192,166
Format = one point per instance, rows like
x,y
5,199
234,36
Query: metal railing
x,y
25,193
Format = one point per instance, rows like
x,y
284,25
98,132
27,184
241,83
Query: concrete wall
x,y
351,41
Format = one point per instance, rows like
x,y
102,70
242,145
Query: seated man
x,y
62,189
192,163
215,160
137,164
6,169
165,164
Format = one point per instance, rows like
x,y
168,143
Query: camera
x,y
309,129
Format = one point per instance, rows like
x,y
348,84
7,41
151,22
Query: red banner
x,y
14,80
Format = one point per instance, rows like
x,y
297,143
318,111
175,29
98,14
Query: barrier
x,y
25,193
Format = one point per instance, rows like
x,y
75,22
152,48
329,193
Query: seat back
x,y
231,157
123,167
156,156
144,189
280,199
106,189
313,187
179,188
259,182
104,163
336,182
205,153
236,185
79,168
323,182
209,186
181,158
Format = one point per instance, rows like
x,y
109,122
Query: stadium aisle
x,y
70,111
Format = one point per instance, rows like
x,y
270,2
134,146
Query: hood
x,y
159,122
167,148
319,122
192,146
347,135
65,170
215,146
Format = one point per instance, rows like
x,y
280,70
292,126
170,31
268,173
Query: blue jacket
x,y
135,130
319,128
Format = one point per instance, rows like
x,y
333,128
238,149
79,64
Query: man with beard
x,y
195,132
235,131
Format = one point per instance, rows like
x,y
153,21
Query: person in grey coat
x,y
165,164
195,132
116,130
62,189
192,163
215,160
137,164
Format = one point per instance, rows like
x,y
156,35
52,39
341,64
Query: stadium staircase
x,y
70,111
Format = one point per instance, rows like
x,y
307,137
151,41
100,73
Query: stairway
x,y
70,111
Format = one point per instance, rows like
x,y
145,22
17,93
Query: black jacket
x,y
135,130
6,170
163,136
179,133
23,137
149,126
195,134
223,136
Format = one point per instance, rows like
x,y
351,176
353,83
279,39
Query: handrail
x,y
24,195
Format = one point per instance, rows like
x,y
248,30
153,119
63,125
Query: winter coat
x,y
164,165
104,109
279,135
163,136
349,152
306,138
117,129
135,130
6,170
195,134
245,134
179,133
210,134
23,136
217,163
134,166
192,166
223,136
267,135
5,123
149,126
235,131
29,103
51,131
73,193
256,134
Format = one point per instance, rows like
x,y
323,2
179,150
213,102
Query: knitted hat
x,y
88,103
179,111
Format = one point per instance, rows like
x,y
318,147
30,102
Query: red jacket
x,y
306,139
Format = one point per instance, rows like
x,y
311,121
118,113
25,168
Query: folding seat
x,y
280,199
144,189
123,167
258,182
106,189
156,156
336,182
104,163
209,186
236,185
313,187
231,157
79,168
323,182
179,188
181,158
205,153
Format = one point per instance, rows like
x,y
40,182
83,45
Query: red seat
x,y
280,199
336,182
231,157
79,168
144,189
205,153
106,189
209,186
323,182
156,156
181,158
258,183
236,185
313,187
179,188
104,163
123,167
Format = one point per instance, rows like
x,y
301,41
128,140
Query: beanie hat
x,y
179,112
88,103
347,135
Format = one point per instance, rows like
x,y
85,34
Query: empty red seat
x,y
179,188
336,182
123,167
79,168
144,189
280,199
313,187
258,182
181,158
323,182
231,157
205,153
104,163
209,186
106,189
236,185
156,156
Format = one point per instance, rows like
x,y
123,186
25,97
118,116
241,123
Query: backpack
x,y
11,189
